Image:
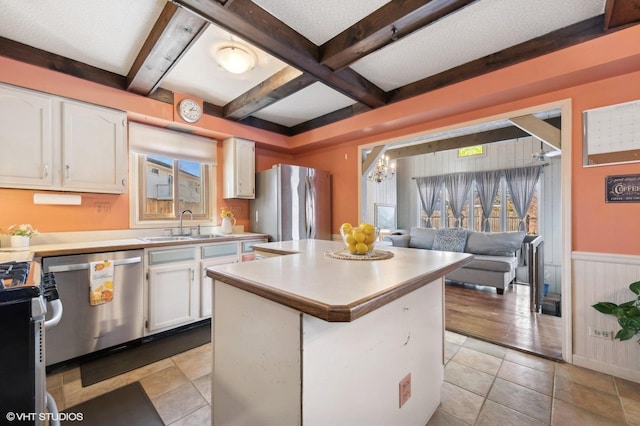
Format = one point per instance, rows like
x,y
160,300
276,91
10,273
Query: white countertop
x,y
80,247
336,289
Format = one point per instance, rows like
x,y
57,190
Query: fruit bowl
x,y
359,239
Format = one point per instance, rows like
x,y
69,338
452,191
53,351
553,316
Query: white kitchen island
x,y
301,338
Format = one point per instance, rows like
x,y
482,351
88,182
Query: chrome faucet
x,y
181,216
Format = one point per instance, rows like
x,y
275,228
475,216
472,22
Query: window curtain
x,y
458,188
487,184
522,184
428,189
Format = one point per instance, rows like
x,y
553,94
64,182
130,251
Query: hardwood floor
x,y
506,320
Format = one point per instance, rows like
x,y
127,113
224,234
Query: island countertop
x,y
336,290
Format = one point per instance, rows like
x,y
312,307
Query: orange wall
x,y
601,72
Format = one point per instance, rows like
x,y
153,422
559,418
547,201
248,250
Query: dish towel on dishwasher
x,y
100,282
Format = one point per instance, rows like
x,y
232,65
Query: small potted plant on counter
x,y
628,313
21,234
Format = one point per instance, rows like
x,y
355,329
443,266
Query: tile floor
x,y
484,384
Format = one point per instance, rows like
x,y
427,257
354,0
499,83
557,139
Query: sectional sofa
x,y
495,253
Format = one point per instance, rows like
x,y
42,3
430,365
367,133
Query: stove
x,y
25,293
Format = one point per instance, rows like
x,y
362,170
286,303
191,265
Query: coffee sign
x,y
622,189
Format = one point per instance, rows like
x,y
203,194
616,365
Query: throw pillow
x,y
422,238
450,239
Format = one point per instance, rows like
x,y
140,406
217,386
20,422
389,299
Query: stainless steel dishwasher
x,y
86,328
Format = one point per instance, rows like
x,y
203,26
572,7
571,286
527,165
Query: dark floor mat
x,y
96,370
128,405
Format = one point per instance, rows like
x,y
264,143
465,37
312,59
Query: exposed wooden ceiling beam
x,y
256,26
389,23
479,138
372,157
619,13
551,42
539,129
173,33
40,58
282,84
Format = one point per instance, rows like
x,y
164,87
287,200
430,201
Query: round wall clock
x,y
189,110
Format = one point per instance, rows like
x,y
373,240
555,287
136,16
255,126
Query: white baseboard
x,y
602,367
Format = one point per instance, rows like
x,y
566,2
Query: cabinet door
x,y
94,148
239,168
173,295
206,283
26,138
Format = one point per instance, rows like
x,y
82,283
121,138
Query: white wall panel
x,y
603,278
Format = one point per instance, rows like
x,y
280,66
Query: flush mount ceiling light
x,y
235,59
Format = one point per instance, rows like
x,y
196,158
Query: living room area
x,y
525,317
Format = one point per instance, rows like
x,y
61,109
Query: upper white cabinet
x,y
94,148
57,144
26,138
239,168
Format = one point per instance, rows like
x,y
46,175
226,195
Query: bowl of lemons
x,y
359,239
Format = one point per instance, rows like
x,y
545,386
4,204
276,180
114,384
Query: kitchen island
x,y
305,338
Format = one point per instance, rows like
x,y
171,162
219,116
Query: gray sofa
x,y
495,253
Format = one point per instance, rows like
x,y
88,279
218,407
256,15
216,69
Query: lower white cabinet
x,y
178,291
211,255
173,293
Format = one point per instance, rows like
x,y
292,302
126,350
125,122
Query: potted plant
x,y
20,234
628,313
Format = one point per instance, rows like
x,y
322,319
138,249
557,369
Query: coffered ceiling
x,y
317,61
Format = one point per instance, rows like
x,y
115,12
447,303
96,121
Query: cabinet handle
x,y
67,167
46,171
124,182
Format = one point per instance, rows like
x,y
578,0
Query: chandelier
x,y
382,170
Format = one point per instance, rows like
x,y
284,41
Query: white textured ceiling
x,y
482,28
319,21
109,34
104,34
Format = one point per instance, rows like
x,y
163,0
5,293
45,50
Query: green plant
x,y
628,313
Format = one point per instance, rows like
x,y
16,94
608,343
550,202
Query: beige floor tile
x,y
58,396
588,398
54,381
440,418
178,403
460,403
586,377
485,347
200,417
565,414
527,377
142,372
163,381
468,378
524,400
478,360
450,350
531,361
454,338
75,393
493,414
203,384
195,363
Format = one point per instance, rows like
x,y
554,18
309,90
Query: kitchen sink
x,y
165,238
180,238
206,237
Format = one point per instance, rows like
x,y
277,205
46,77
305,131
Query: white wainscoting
x,y
599,277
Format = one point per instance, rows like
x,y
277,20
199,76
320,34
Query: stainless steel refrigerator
x,y
292,203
